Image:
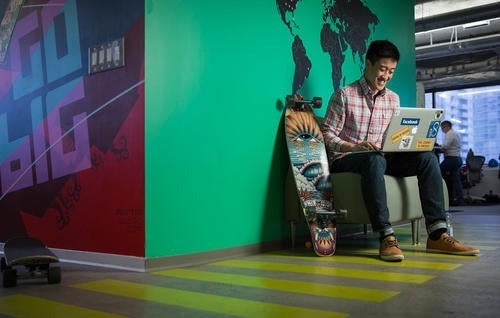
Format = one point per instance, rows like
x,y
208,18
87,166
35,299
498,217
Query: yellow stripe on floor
x,y
317,289
200,301
369,260
28,306
329,271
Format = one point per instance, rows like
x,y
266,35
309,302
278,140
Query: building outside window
x,y
475,114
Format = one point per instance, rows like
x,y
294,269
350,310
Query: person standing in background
x,y
450,166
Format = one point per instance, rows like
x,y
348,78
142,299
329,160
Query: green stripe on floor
x,y
479,242
416,251
370,261
201,301
317,289
329,271
28,306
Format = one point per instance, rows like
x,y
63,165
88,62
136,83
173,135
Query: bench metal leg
x,y
293,229
415,231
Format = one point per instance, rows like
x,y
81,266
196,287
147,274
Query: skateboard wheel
x,y
308,244
9,277
54,275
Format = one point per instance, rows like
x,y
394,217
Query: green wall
x,y
216,74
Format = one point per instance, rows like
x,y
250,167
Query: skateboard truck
x,y
341,213
297,102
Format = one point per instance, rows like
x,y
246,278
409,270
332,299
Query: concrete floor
x,y
289,283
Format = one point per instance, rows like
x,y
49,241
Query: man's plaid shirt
x,y
354,115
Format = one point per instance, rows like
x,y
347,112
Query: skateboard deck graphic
x,y
31,254
309,164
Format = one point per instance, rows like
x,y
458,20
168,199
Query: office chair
x,y
474,169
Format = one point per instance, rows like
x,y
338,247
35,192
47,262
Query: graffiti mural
x,y
71,144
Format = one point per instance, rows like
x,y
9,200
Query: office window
x,y
475,114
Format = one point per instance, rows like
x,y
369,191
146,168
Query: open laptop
x,y
413,129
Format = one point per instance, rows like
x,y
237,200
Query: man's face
x,y
445,128
380,73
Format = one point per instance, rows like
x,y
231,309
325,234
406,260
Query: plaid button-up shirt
x,y
354,115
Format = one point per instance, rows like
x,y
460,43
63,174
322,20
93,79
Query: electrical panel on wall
x,y
107,56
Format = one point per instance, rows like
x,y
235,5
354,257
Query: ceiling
x,y
457,43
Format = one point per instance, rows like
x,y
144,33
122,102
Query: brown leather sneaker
x,y
389,250
449,245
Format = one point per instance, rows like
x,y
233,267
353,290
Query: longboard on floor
x,y
32,255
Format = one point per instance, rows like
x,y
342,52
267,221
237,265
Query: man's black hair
x,y
446,122
382,49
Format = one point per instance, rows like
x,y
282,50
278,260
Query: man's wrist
x,y
345,147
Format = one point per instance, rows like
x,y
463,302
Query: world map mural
x,y
347,26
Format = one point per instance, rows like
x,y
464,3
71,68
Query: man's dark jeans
x,y
450,169
372,166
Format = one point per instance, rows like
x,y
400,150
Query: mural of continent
x,y
347,24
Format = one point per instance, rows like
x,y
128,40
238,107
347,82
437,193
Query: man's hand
x,y
363,146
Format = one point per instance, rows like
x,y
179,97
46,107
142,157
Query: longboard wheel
x,y
54,275
9,277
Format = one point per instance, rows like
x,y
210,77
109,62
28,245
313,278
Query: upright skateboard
x,y
309,164
31,254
